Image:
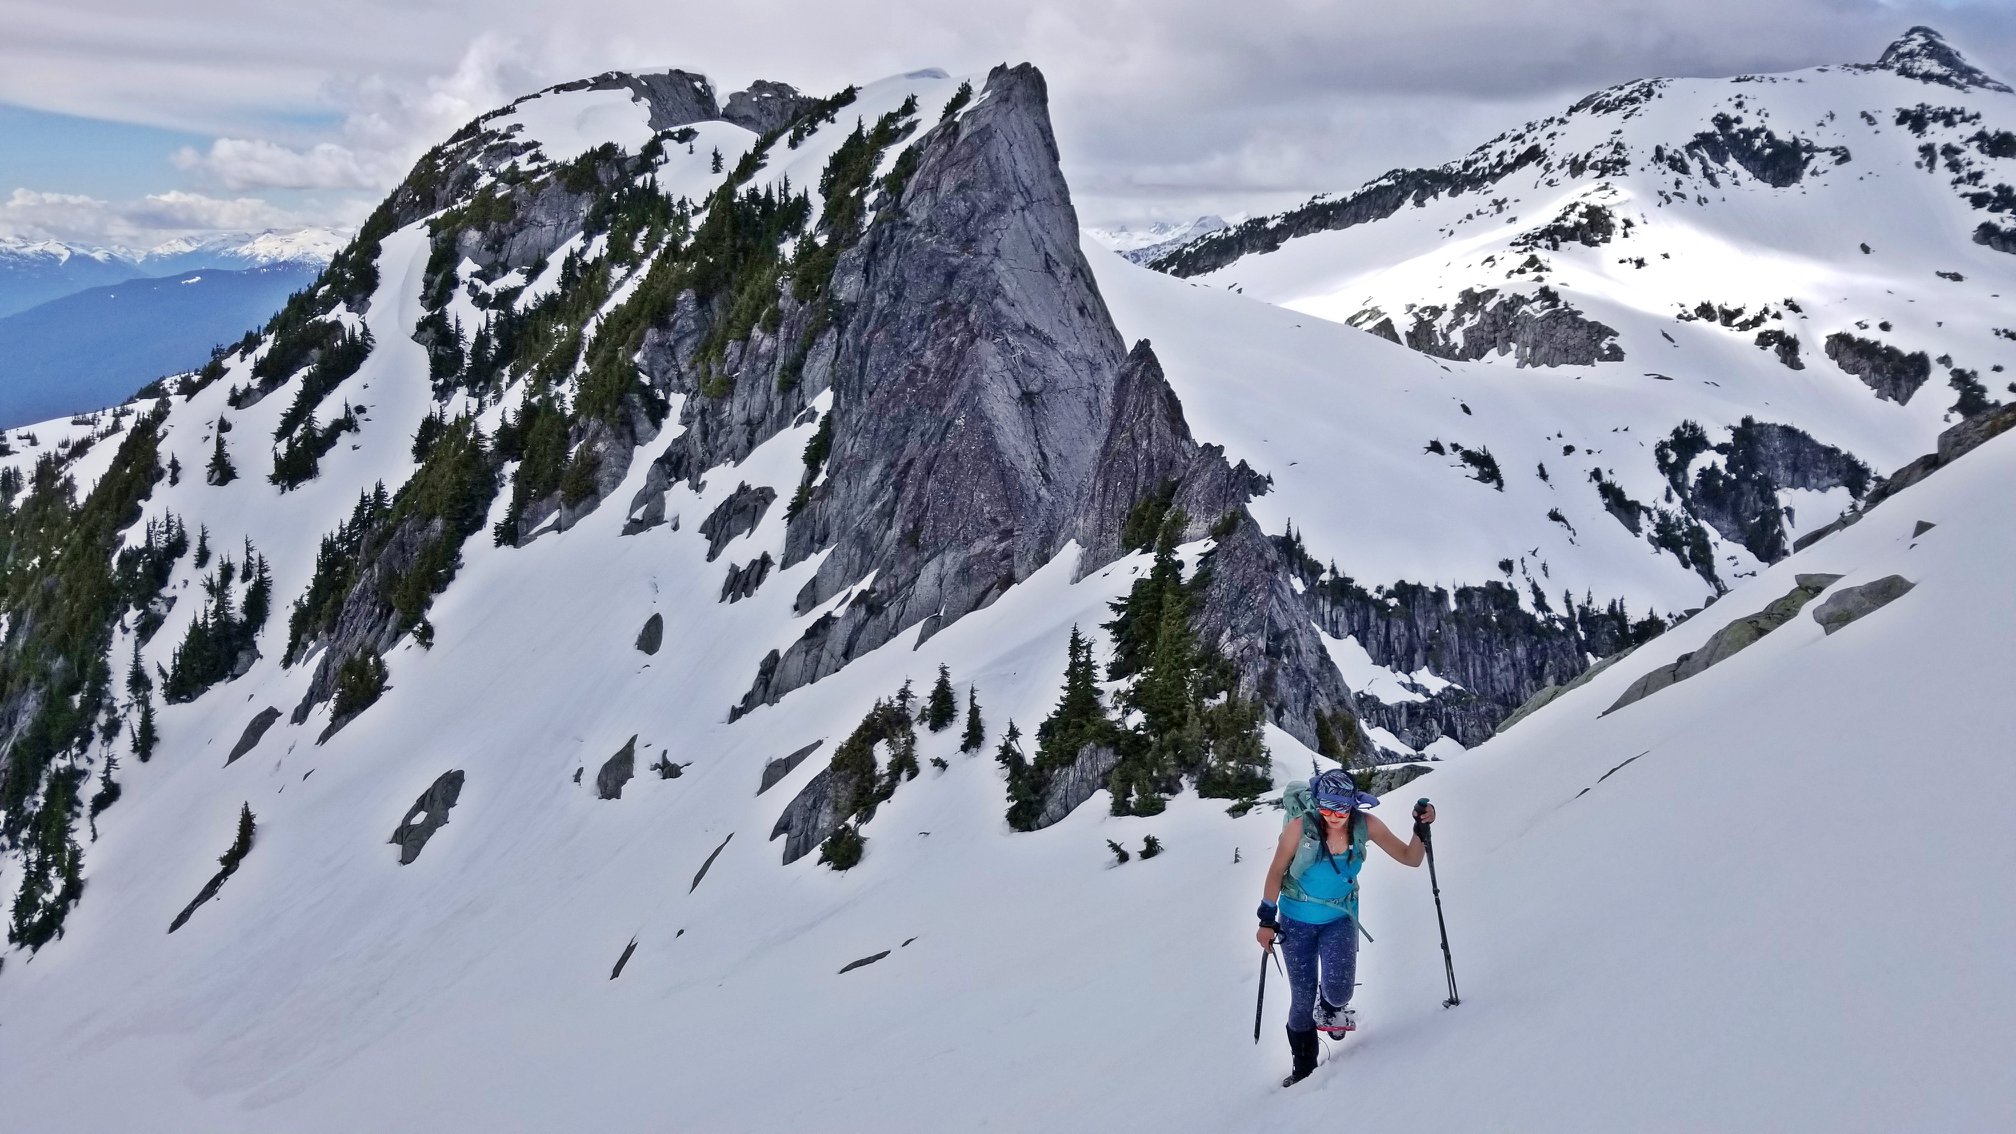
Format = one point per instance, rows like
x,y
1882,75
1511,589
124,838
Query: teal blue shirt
x,y
1321,881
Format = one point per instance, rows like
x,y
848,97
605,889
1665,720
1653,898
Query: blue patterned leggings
x,y
1333,945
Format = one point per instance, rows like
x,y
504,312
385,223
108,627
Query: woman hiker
x,y
1314,878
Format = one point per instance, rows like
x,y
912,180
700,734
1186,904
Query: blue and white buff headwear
x,y
1334,791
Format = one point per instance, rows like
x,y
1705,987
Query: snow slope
x,y
1645,956
1787,912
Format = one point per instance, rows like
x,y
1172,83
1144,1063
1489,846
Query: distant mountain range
x,y
83,327
37,271
96,347
1144,242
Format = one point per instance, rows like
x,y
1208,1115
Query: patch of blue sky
x,y
61,153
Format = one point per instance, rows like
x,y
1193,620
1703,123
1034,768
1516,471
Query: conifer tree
x,y
976,732
1025,799
1079,718
942,708
144,735
242,843
138,684
221,470
715,165
202,547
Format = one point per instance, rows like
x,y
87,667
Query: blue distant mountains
x,y
82,328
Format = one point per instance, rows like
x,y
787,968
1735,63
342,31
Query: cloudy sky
x,y
131,122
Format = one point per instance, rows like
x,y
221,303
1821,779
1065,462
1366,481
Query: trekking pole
x,y
1428,841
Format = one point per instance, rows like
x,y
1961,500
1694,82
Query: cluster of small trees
x,y
861,785
1178,715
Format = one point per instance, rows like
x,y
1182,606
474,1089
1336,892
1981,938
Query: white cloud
x,y
1159,104
79,219
389,124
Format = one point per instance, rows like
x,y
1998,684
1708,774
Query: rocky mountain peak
x,y
1923,54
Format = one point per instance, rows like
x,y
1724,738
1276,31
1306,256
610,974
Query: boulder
x,y
777,769
254,732
1850,603
1074,784
428,814
617,770
652,635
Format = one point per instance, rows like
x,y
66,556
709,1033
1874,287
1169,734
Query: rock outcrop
x,y
738,515
617,771
1537,330
652,636
254,732
1893,374
1074,784
782,766
766,106
1850,603
428,814
1728,641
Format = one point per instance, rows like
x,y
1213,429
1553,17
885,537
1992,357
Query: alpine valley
x,y
776,495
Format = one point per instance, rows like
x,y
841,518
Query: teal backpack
x,y
1299,803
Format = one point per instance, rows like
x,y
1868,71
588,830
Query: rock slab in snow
x,y
617,770
1851,603
253,733
428,814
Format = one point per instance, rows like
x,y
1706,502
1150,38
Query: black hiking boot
x,y
1301,1045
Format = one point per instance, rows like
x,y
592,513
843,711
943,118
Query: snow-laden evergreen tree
x,y
941,708
976,732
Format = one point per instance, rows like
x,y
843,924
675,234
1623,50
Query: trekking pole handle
x,y
1421,829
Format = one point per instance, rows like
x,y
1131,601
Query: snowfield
x,y
1774,896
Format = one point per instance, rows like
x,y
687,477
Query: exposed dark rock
x,y
1923,54
852,965
777,769
814,813
708,865
652,635
367,622
624,959
973,382
210,890
1496,653
1583,222
1921,527
1958,440
254,732
1248,612
1388,778
1782,343
675,98
1850,603
1775,161
1737,636
1074,784
742,581
427,815
1890,372
738,515
766,106
1739,498
1537,330
617,770
1377,200
1996,236
647,508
